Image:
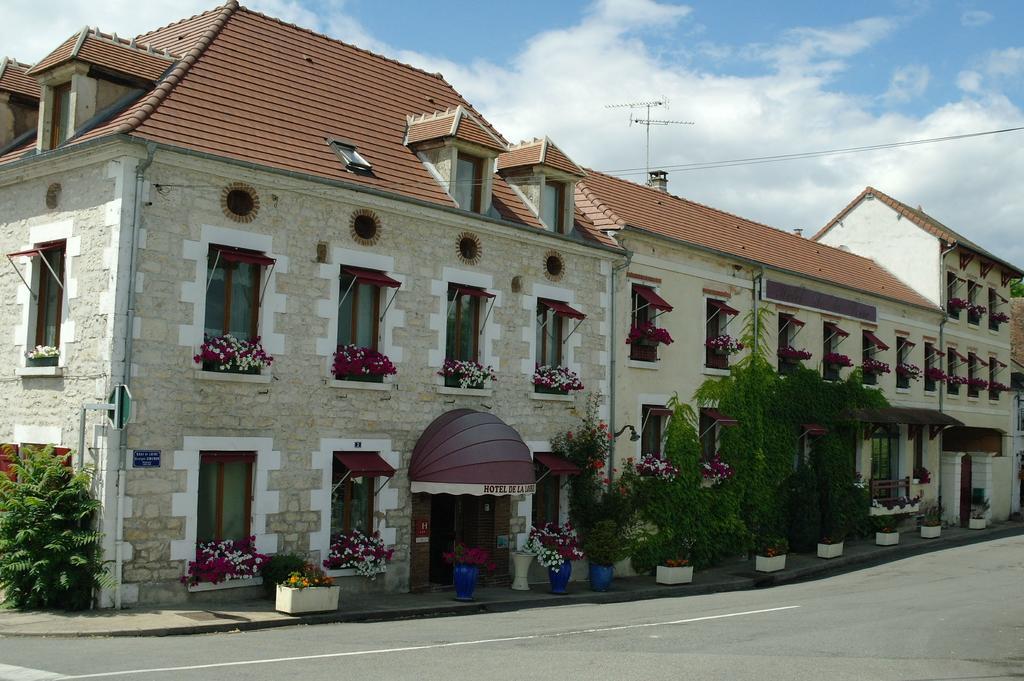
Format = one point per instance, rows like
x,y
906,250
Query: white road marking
x,y
9,672
405,649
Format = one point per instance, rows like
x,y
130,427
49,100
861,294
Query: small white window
x,y
352,158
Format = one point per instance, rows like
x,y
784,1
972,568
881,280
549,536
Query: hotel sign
x,y
475,489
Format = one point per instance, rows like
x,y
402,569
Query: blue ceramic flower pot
x,y
465,581
560,577
601,576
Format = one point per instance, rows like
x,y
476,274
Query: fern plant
x,y
50,555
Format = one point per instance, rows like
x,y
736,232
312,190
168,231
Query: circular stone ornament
x,y
364,227
240,202
554,265
469,248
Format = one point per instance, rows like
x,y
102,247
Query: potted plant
x,y
366,554
521,561
276,569
655,466
954,305
459,373
886,533
353,363
467,563
910,372
676,570
931,523
922,476
647,333
874,367
307,590
723,345
998,318
603,545
556,380
836,360
979,516
43,356
714,471
771,554
232,355
556,546
830,547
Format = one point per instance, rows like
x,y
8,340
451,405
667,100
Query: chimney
x,y
658,179
798,231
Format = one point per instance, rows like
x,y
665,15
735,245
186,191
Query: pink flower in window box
x,y
789,353
837,360
356,363
724,344
873,366
648,333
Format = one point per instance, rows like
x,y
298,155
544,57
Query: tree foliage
x,y
50,555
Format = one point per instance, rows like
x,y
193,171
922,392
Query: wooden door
x,y
965,489
443,512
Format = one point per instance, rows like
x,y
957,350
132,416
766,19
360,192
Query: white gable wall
x,y
874,230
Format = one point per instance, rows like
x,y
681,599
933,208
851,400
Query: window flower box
x,y
874,367
956,381
353,363
714,471
654,466
955,305
42,356
891,538
836,360
229,354
896,505
828,549
648,334
998,318
922,476
910,372
975,312
222,561
365,553
460,373
791,354
556,380
975,384
723,345
675,573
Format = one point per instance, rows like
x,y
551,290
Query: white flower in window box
x,y
232,355
43,356
466,374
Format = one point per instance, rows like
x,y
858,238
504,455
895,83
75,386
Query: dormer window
x,y
60,119
469,180
351,157
552,206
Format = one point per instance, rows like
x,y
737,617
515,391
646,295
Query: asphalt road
x,y
953,614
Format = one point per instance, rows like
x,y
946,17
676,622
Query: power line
x,y
755,160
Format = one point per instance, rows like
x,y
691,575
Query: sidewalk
x,y
251,615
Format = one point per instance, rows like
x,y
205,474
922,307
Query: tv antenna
x,y
647,121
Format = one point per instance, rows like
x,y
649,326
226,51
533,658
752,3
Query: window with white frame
x,y
225,496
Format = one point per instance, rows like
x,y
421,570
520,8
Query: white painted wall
x,y
874,230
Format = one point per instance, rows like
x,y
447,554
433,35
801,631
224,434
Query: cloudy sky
x,y
756,79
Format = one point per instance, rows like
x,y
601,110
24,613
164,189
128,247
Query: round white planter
x,y
931,531
977,523
830,550
674,575
313,599
887,538
521,562
772,564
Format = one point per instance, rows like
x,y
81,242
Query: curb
x,y
740,581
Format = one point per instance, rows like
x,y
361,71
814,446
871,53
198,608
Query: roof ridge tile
x,y
145,109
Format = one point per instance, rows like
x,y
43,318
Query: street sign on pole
x,y
121,399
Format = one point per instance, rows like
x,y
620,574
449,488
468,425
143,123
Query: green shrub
x,y
804,514
603,545
50,556
276,569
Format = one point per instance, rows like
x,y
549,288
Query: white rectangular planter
x,y
887,538
226,584
313,599
896,510
931,531
674,575
830,550
977,523
773,564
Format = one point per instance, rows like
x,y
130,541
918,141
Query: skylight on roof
x,y
353,159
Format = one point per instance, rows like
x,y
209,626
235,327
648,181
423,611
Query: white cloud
x,y
907,83
969,81
1008,63
975,17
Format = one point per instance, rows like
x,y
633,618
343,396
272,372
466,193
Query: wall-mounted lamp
x,y
633,435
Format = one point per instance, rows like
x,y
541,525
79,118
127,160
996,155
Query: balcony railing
x,y
890,489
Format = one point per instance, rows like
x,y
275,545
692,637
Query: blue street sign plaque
x,y
145,458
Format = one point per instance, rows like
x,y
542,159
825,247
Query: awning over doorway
x,y
907,415
558,465
365,464
471,452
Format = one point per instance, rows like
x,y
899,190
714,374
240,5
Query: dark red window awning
x,y
814,429
558,465
720,418
365,464
831,326
790,319
977,359
875,340
243,255
652,298
473,291
907,343
995,361
464,451
561,309
40,249
373,277
723,307
227,457
956,354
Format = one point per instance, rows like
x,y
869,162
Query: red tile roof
x,y
109,51
538,152
14,78
458,123
181,36
922,220
612,203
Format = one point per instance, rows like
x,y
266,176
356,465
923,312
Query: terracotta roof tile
x,y
108,51
922,220
538,152
181,36
612,203
59,55
14,78
437,125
